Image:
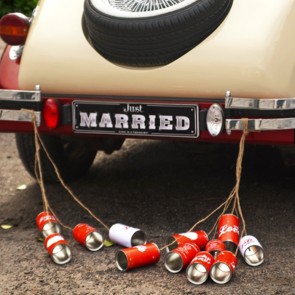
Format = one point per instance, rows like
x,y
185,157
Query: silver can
x,y
58,249
223,268
251,250
199,268
88,236
47,224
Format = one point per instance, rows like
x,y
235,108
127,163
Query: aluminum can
x,y
223,267
179,258
251,250
47,224
199,237
127,236
214,247
199,268
137,256
88,236
228,231
58,248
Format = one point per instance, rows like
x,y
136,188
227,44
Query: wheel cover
x,y
139,8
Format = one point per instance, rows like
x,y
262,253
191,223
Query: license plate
x,y
136,119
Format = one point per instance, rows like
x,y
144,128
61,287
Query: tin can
x,y
137,256
179,258
214,247
251,250
58,248
199,237
127,236
228,231
199,268
88,236
47,224
223,267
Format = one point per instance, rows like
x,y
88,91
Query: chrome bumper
x,y
14,103
267,114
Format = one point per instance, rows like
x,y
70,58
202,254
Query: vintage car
x,y
96,72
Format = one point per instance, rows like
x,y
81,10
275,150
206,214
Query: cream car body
x,y
249,54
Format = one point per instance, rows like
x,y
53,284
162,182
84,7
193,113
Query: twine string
x,y
66,187
39,143
38,165
233,197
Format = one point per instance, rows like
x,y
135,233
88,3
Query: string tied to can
x,y
39,175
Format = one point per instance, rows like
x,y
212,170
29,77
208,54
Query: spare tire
x,y
150,32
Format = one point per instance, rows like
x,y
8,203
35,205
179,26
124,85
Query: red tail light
x,y
51,113
14,28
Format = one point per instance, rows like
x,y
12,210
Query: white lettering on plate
x,y
88,120
105,121
133,121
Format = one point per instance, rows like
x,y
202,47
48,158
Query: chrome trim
x,y
19,115
259,104
216,111
16,52
20,95
260,124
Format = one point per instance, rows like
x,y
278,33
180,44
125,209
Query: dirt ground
x,y
161,188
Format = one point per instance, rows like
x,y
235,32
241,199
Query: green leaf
x,y
39,240
21,187
108,243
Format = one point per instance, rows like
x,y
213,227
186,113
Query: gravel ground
x,y
162,194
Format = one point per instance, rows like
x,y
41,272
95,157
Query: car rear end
x,y
245,68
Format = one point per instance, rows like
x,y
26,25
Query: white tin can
x,y
127,236
251,250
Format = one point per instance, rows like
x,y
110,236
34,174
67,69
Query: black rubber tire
x,y
72,158
153,41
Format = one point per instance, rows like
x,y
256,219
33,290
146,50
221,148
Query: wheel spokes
x,y
142,5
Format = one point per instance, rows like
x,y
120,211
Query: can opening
x,y
197,273
138,238
173,262
94,241
230,246
121,261
61,254
254,256
220,273
51,228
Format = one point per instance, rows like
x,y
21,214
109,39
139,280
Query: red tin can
x,y
58,248
228,231
199,237
179,258
223,267
127,236
88,236
251,250
214,247
137,256
47,224
199,268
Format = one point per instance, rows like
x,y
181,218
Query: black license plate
x,y
136,119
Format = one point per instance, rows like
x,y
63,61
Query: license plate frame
x,y
172,120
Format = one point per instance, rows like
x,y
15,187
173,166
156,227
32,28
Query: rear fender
x,y
9,68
